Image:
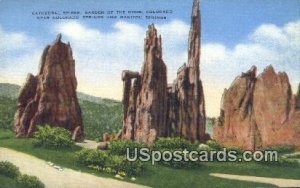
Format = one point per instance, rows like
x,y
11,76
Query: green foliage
x,y
214,145
101,160
26,181
121,164
52,137
282,161
173,143
8,169
91,157
282,148
180,164
7,111
101,118
119,147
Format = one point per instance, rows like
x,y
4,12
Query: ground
x,y
157,175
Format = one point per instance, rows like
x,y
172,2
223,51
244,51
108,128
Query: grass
x,y
160,176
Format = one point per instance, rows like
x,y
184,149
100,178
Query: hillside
x,y
99,115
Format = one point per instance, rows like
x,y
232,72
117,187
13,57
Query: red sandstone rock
x,y
188,106
50,97
151,108
258,112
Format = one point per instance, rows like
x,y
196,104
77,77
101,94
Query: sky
x,y
235,35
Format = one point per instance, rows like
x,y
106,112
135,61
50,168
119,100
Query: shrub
x,y
180,163
26,181
119,147
174,143
282,149
214,145
52,137
121,164
91,157
282,161
8,169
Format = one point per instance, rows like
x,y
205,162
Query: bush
x,y
91,157
282,161
8,169
121,164
181,163
26,181
52,137
214,145
173,144
119,147
282,149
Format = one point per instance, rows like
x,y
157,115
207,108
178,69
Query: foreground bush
x,y
119,147
214,145
282,161
52,137
282,149
91,157
8,169
26,181
121,164
173,143
102,161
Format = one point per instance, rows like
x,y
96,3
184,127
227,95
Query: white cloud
x,y
268,44
101,56
19,55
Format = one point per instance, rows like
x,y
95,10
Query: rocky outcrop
x,y
50,97
145,102
154,109
257,112
187,98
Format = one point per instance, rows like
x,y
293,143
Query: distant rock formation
x,y
152,108
50,97
257,112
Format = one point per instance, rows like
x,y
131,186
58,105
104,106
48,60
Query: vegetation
x,y
11,177
52,137
100,118
27,181
198,177
8,169
99,115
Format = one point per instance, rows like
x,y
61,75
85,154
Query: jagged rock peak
x,y
153,42
196,7
50,97
58,38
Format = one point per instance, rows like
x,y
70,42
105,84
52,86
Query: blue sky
x,y
236,34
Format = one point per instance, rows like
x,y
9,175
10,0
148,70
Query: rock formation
x,y
257,112
50,97
152,108
145,102
186,96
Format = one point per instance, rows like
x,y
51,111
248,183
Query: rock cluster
x,y
50,97
259,111
153,109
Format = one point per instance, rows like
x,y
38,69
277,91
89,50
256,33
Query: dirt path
x,y
90,144
52,177
275,181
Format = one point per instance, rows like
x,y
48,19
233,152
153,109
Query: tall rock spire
x,y
188,88
50,97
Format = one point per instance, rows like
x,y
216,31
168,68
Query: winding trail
x,y
275,181
54,178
